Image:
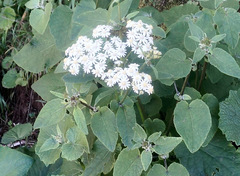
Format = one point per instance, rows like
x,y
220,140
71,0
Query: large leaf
x,y
77,144
219,158
50,156
105,97
39,54
101,156
17,133
126,119
174,169
47,83
14,163
119,10
224,62
104,126
170,16
80,120
7,17
82,7
192,122
61,25
128,163
52,113
230,116
228,22
173,66
39,19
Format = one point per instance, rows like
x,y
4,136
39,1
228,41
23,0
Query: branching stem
x,y
184,84
89,107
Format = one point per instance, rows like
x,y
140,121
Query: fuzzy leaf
x,y
192,122
230,116
80,120
165,145
175,169
146,159
126,119
224,62
228,22
173,66
104,126
128,163
17,133
39,19
14,163
52,113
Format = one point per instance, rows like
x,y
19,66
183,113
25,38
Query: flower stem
x,y
139,106
202,75
125,96
89,107
184,84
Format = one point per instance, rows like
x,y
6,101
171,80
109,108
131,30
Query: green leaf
x,y
126,119
165,145
175,169
14,163
229,118
218,38
77,144
173,66
198,55
139,134
153,107
17,133
32,4
195,30
224,62
47,83
9,79
128,163
104,126
52,113
7,17
154,125
105,97
50,156
192,122
82,7
146,159
119,10
213,105
39,19
169,17
80,120
81,77
214,4
39,54
101,156
61,25
219,157
228,22
49,144
93,18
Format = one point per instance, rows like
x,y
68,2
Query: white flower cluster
x,y
103,56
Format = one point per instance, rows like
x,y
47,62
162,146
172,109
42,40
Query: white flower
x,y
124,84
102,31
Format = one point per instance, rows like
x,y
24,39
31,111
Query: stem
x,y
175,86
139,106
196,78
89,107
125,96
165,164
202,75
184,84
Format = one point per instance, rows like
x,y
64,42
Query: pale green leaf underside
x,y
192,122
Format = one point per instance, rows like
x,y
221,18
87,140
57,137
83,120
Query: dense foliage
x,y
128,91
